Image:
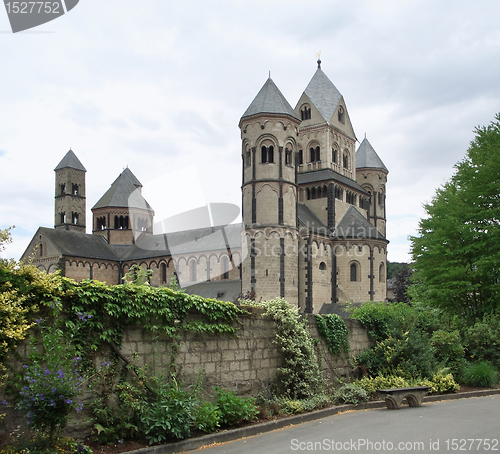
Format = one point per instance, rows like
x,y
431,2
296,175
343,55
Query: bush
x,y
350,393
448,349
442,382
481,374
482,340
234,409
372,384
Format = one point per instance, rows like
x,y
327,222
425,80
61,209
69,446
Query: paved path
x,y
435,427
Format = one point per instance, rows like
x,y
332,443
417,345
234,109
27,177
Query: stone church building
x,y
313,215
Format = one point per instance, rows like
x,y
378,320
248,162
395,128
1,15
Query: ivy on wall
x,y
334,330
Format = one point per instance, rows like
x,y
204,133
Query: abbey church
x,y
313,215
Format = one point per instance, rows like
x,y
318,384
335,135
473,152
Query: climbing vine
x,y
300,375
334,330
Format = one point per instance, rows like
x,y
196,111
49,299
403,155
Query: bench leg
x,y
393,402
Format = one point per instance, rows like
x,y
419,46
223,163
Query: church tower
x,y
269,149
371,174
70,204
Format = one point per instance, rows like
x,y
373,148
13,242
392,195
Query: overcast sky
x,y
160,86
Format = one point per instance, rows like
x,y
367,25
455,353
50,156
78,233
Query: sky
x,y
159,86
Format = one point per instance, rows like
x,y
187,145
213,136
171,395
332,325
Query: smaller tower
x,y
70,203
371,174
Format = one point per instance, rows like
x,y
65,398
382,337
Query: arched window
x,y
74,189
62,217
305,113
308,194
322,268
225,268
267,154
63,188
354,272
74,218
315,154
163,272
313,193
324,191
381,273
288,157
341,115
335,156
248,158
300,158
345,159
192,270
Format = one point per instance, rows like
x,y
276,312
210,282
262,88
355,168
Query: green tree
x,y
456,253
5,237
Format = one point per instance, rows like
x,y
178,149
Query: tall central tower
x,y
269,147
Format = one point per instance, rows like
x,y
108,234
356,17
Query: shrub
x,y
481,374
448,349
482,340
372,384
51,380
442,382
234,409
350,393
207,417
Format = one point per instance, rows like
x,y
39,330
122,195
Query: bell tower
x,y
70,202
269,146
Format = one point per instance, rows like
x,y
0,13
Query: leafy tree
x,y
401,283
5,237
455,255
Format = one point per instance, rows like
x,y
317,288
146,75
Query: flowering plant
x,y
52,381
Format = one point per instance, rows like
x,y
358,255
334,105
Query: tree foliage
x,y
456,253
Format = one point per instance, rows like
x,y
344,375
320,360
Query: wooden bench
x,y
394,397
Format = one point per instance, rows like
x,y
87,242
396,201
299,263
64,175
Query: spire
x,y
367,158
70,160
270,100
323,94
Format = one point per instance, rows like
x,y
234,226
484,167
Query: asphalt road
x,y
465,425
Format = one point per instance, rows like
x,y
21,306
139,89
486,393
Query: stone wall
x,y
246,363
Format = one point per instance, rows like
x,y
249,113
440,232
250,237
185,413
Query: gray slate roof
x,y
367,157
308,219
323,94
270,100
70,160
79,244
227,290
326,175
189,241
124,193
355,225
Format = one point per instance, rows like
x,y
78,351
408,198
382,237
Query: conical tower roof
x,y
270,100
124,193
323,94
367,157
70,160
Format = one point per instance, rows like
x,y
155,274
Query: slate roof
x,y
270,100
124,193
355,225
323,94
226,289
180,243
79,244
326,175
308,219
367,157
70,160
